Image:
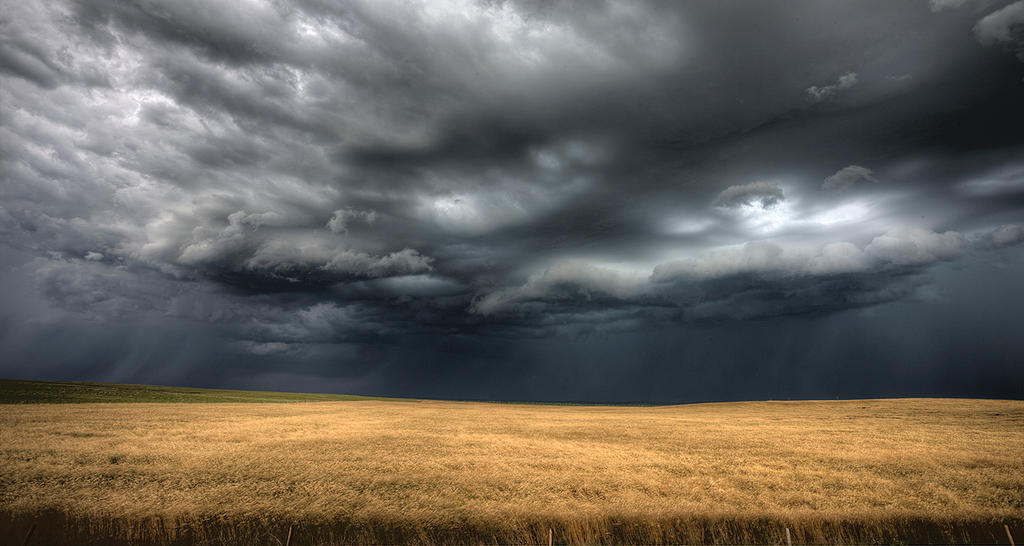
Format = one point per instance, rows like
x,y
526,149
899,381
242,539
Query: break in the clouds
x,y
453,197
755,194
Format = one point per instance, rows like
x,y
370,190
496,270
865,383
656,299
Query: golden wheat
x,y
487,473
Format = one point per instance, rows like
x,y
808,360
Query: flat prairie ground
x,y
360,472
13,391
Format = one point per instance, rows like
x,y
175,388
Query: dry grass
x,y
446,472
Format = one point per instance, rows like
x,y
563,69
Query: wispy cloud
x,y
827,92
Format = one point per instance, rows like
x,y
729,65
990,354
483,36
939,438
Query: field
x,y
13,391
386,472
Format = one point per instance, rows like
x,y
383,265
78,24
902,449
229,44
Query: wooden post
x,y
551,536
288,541
1005,526
789,541
28,536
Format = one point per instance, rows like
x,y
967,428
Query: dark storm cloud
x,y
320,180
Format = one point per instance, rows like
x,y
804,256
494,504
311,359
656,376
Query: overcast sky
x,y
532,200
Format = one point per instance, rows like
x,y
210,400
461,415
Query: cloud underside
x,y
757,280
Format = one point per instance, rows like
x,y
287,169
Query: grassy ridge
x,y
76,392
377,472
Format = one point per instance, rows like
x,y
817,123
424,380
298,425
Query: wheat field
x,y
381,472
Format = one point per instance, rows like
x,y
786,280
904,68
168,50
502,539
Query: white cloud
x,y
1005,26
841,214
844,179
916,246
404,262
340,219
758,267
838,258
826,92
758,256
210,244
494,203
288,254
1008,235
481,212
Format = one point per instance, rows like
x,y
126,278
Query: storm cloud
x,y
443,198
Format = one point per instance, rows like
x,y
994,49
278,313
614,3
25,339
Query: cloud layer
x,y
320,180
756,280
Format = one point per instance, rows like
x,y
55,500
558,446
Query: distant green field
x,y
73,392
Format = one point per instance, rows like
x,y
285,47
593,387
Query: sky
x,y
575,201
